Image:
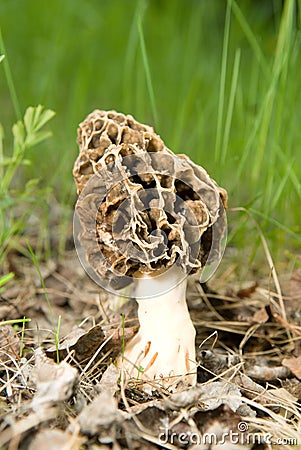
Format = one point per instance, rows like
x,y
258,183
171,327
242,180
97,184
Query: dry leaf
x,y
109,380
49,439
99,415
294,287
221,393
266,373
221,432
211,395
29,422
54,382
7,310
247,292
216,362
287,403
260,316
9,344
67,344
294,365
83,343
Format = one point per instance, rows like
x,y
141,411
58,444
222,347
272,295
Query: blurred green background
x,y
219,80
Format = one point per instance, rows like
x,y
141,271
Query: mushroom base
x,y
162,353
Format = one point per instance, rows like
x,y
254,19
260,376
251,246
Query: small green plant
x,y
14,321
27,133
5,279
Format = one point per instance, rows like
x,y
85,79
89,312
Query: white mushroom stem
x,y
163,350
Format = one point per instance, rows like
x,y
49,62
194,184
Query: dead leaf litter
x,y
60,388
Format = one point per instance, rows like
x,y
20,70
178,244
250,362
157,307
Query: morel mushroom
x,y
150,217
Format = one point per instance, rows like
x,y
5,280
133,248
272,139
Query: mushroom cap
x,y
141,209
100,131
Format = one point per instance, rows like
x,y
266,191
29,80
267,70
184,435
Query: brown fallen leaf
x,y
210,395
293,386
83,343
109,380
260,316
294,365
267,373
280,398
49,439
9,344
247,292
100,415
249,387
287,402
215,362
219,424
67,344
29,422
8,310
54,382
294,286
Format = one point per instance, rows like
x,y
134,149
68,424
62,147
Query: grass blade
x,y
148,73
274,95
230,105
6,278
14,321
9,79
221,100
251,38
131,50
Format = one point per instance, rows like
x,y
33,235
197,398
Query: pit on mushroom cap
x,y
150,217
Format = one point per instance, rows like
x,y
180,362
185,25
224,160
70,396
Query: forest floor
x,y
60,388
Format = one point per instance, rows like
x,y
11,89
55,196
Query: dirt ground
x,y
60,388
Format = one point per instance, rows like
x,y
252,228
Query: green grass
x,y
17,204
219,79
14,321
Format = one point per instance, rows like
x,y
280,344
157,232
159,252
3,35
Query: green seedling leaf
x,y
35,138
29,119
8,161
19,136
44,117
31,184
7,202
6,278
36,118
2,58
26,133
25,162
14,321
